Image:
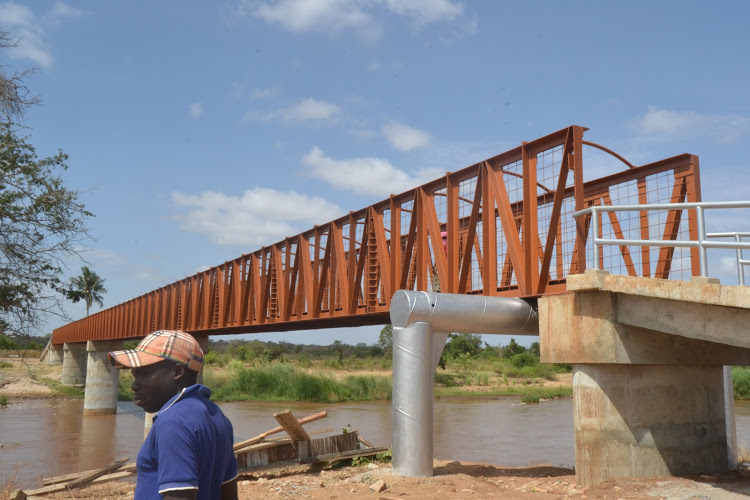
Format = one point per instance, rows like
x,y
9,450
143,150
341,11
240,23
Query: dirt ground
x,y
22,380
455,480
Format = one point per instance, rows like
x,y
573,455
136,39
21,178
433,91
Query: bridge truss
x,y
509,232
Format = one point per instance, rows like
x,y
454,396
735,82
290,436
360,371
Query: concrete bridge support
x,y
55,355
648,381
102,379
74,364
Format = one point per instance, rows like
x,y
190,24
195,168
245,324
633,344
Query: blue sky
x,y
200,131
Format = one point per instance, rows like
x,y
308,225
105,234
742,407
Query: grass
x,y
4,400
66,390
284,382
741,377
5,364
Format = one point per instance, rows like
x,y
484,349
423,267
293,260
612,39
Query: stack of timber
x,y
253,455
298,448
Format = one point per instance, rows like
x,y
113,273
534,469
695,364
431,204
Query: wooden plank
x,y
291,426
80,482
47,481
276,430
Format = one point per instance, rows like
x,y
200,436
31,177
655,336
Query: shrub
x,y
741,377
524,359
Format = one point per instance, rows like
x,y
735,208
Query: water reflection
x,y
43,438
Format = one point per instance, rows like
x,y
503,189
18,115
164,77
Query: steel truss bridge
x,y
510,232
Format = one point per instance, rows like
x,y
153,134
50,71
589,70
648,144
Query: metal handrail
x,y
701,243
741,263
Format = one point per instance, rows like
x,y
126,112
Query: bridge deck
x,y
509,231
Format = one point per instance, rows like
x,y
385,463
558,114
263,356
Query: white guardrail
x,y
702,243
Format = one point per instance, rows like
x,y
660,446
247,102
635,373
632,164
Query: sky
x,y
200,131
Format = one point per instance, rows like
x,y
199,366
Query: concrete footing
x,y
74,364
102,379
641,421
55,355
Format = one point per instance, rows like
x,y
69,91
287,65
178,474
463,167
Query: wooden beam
x,y
291,426
276,430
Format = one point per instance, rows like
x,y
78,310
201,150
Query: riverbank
x,y
453,480
31,379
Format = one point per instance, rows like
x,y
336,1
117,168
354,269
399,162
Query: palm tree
x,y
87,287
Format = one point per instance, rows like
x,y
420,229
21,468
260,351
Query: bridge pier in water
x,y
74,363
102,379
649,383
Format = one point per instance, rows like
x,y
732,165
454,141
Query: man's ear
x,y
178,372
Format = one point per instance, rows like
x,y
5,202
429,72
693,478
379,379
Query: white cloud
x,y
308,110
302,16
425,11
195,109
28,29
264,93
371,176
259,217
689,125
405,138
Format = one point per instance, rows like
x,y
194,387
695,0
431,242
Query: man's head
x,y
163,363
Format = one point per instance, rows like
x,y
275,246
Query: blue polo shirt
x,y
189,447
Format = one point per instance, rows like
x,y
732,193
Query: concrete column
x,y
203,342
55,355
74,363
102,379
642,421
729,417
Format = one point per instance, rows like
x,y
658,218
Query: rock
x,y
369,466
378,486
245,483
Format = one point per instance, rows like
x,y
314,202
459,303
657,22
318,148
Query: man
x,y
188,452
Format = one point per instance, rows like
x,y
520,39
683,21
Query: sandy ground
x,y
455,480
22,378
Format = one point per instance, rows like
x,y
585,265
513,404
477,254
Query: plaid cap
x,y
173,345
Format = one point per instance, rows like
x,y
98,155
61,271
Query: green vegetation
x,y
87,287
3,400
123,390
66,390
5,364
282,381
384,457
254,370
741,377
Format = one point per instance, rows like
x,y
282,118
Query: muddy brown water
x,y
42,438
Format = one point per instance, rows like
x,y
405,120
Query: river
x,y
42,438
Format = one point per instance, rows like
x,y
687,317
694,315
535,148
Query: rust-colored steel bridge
x,y
509,232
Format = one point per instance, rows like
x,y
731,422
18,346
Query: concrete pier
x,y
649,384
102,379
640,421
74,364
55,355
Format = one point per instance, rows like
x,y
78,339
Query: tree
x,y
385,340
42,222
15,97
88,287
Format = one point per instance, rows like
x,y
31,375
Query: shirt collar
x,y
194,391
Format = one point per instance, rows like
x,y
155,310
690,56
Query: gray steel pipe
x,y
412,400
420,320
448,312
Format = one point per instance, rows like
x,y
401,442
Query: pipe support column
x,y
412,399
102,379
